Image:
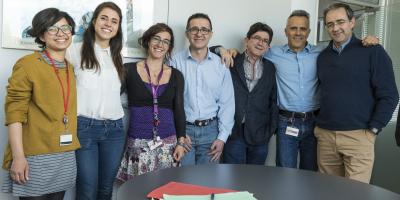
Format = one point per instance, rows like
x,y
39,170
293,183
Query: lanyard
x,y
154,89
65,97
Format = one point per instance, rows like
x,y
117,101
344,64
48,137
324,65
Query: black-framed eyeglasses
x,y
196,30
338,22
53,30
157,40
259,39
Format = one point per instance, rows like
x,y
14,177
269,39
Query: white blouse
x,y
98,91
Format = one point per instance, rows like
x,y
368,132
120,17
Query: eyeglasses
x,y
259,39
202,30
157,40
339,22
53,30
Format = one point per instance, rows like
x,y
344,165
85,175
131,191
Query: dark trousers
x,y
289,147
237,151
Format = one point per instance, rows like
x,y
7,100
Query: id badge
x,y
154,144
293,131
65,139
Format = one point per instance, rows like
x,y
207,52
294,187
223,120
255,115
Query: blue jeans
x,y
288,147
202,139
98,159
237,151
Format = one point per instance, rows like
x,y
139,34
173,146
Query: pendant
x,y
65,119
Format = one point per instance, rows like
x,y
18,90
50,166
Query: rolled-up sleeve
x,y
19,92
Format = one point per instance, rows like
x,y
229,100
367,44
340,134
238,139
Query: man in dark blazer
x,y
256,112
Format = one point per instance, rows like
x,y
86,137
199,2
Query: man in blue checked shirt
x,y
208,96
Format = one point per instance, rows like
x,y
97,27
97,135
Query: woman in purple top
x,y
156,131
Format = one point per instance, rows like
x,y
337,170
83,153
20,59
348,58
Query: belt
x,y
290,114
204,122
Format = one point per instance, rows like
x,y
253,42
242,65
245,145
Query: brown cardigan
x,y
34,98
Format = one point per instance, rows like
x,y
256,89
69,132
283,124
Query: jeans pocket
x,y
82,126
119,124
83,129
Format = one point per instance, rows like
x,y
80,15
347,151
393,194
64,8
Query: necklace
x,y
154,89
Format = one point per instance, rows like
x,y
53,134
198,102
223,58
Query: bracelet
x,y
182,144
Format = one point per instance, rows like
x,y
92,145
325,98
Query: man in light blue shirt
x,y
208,97
298,98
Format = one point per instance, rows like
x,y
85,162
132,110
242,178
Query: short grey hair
x,y
299,13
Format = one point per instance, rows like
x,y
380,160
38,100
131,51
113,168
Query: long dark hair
x,y
89,60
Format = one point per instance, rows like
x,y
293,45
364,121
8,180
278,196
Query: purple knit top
x,y
141,120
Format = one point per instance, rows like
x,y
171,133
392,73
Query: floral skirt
x,y
139,159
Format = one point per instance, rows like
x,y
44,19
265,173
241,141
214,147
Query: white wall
x,y
231,20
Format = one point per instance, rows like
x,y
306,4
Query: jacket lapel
x,y
264,64
240,69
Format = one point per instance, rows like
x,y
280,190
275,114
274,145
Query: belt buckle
x,y
203,122
198,123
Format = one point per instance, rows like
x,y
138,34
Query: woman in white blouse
x,y
99,71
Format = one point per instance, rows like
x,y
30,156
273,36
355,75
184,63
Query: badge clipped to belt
x,y
291,129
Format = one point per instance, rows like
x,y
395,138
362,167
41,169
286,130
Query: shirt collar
x,y
189,55
248,57
98,48
307,48
342,46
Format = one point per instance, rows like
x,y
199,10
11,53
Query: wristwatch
x,y
374,130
